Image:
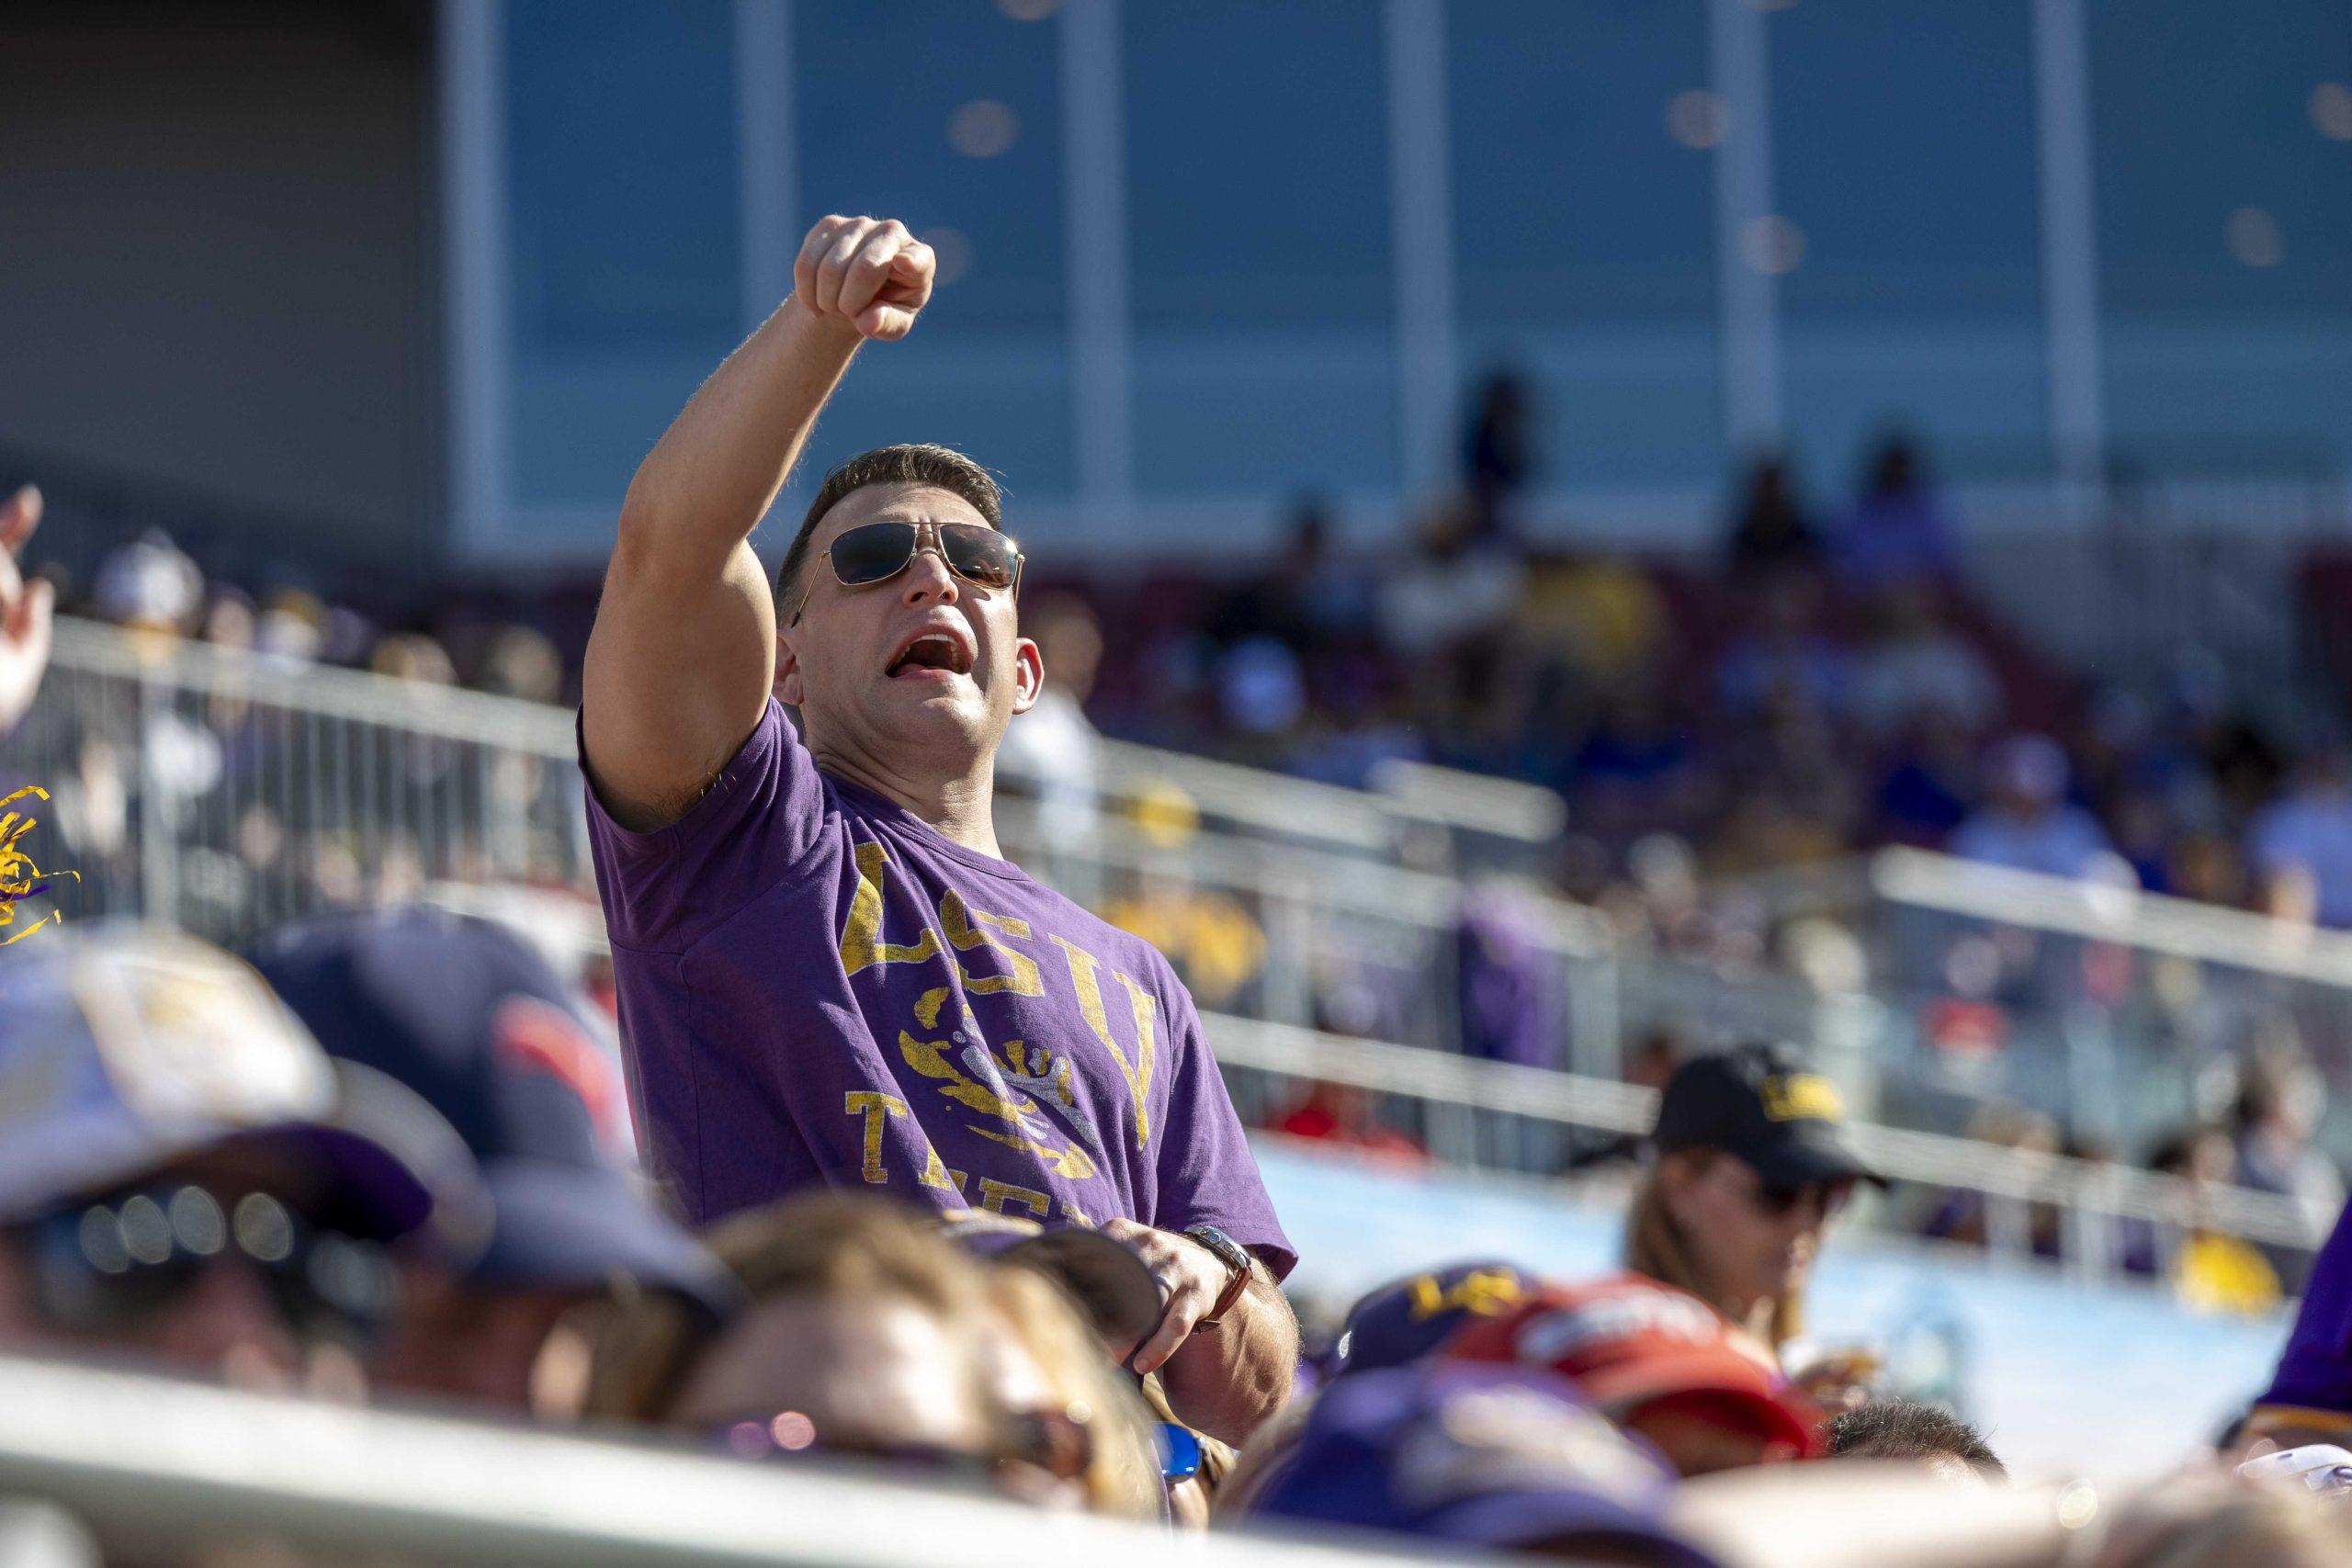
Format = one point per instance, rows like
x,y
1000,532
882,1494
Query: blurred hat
x,y
125,1049
1490,1456
1111,1284
1627,1341
1762,1103
1401,1322
466,1013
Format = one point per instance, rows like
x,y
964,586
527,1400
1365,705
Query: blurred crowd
x,y
387,1156
1826,683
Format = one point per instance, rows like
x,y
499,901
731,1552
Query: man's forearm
x,y
1227,1378
714,471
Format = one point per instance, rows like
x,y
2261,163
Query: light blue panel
x,y
1259,247
987,370
1584,233
622,242
2107,1381
2200,111
1904,149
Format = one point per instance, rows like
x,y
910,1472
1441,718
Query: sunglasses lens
x,y
980,555
873,552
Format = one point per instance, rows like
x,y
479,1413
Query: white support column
x,y
1094,214
476,348
1738,62
766,155
1421,201
2069,248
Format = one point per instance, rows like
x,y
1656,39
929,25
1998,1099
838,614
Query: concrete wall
x,y
218,262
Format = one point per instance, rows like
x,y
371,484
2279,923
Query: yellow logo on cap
x,y
1803,1097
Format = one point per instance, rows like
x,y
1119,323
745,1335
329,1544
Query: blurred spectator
x,y
1916,669
149,585
1342,1115
1785,655
1770,532
1927,789
2301,846
1966,1216
25,610
201,1187
1454,586
1752,1165
1921,1434
524,664
1898,533
1499,1458
2028,824
464,1013
1662,1364
2211,1271
1498,452
2280,1100
860,1333
1598,618
1053,745
291,632
1510,1007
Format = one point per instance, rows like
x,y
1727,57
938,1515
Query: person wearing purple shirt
x,y
2310,1396
828,973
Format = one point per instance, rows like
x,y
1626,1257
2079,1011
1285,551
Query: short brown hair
x,y
909,463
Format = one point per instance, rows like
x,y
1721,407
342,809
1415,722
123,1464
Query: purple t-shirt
x,y
2315,1369
818,987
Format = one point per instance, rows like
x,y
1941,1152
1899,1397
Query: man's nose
x,y
928,578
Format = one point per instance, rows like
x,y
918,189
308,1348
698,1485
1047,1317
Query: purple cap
x,y
1401,1322
1502,1457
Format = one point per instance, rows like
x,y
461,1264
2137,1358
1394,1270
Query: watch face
x,y
1224,1246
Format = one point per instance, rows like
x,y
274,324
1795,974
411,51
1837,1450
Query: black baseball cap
x,y
465,1012
1763,1102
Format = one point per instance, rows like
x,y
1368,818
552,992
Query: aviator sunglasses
x,y
876,552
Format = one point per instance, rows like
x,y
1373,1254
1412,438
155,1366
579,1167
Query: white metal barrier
x,y
148,1465
358,777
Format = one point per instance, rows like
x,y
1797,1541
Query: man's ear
x,y
1028,675
787,673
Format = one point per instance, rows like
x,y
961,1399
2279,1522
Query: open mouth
x,y
931,655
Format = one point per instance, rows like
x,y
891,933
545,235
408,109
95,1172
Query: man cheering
x,y
827,971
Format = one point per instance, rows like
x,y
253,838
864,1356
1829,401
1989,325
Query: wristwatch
x,y
1234,1256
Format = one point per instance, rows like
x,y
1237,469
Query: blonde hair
x,y
1123,1479
821,1244
1657,1248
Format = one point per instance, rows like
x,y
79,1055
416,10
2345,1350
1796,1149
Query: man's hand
x,y
1191,1276
24,610
866,273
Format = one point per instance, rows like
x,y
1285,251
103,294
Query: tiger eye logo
x,y
20,879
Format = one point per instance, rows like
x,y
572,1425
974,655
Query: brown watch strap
x,y
1234,1288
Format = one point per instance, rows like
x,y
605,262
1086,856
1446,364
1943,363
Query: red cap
x,y
1629,1341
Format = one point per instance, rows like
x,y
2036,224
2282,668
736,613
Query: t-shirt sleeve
x,y
1207,1175
664,889
2315,1369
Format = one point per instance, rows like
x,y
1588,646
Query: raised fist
x,y
867,272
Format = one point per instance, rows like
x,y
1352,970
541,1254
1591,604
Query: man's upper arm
x,y
679,668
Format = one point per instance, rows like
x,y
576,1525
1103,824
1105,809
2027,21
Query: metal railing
x,y
152,1466
224,793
